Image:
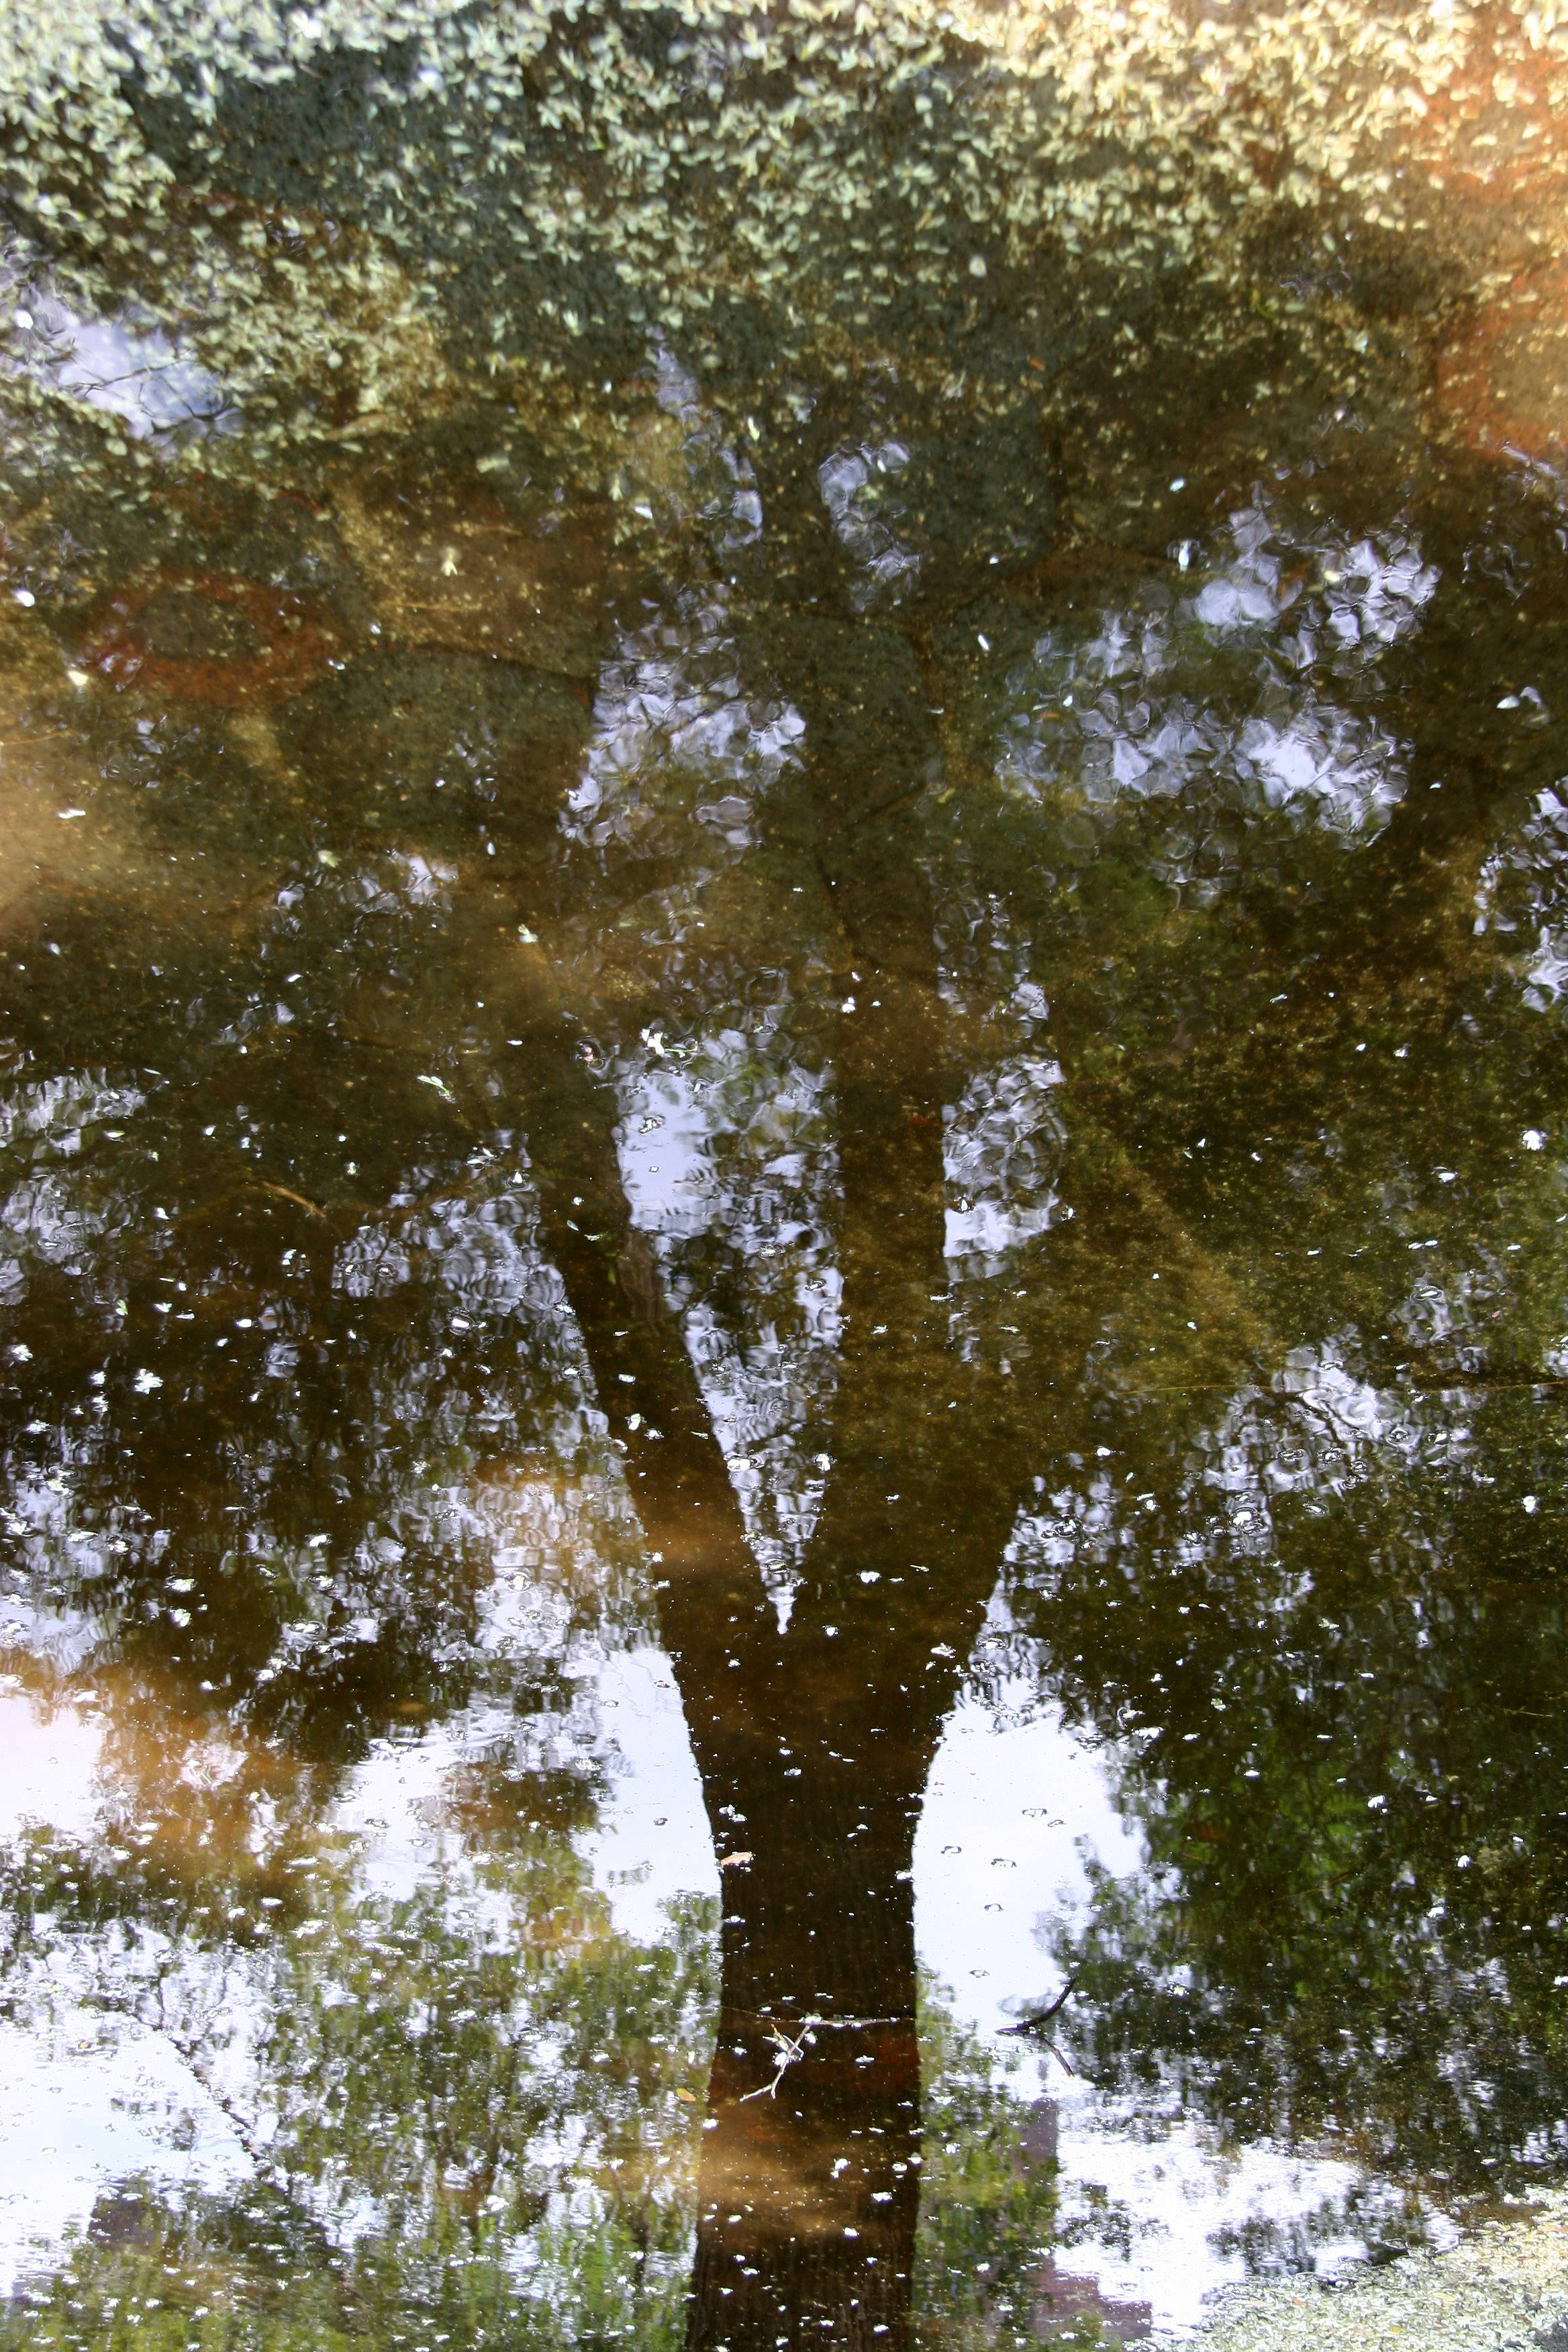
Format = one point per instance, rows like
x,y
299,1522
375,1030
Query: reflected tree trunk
x,y
814,1741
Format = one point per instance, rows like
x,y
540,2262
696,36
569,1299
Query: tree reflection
x,y
874,960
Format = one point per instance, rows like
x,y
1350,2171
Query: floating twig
x,y
789,2048
1038,2019
286,1192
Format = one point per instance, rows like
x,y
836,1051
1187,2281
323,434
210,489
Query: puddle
x,y
783,1309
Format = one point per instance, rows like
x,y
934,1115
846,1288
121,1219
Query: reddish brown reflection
x,y
1503,384
207,636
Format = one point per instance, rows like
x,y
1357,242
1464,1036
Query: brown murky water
x,y
784,902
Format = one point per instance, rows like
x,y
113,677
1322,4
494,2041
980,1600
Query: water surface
x,y
784,902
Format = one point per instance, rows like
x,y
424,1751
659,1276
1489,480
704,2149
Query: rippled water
x,y
784,901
